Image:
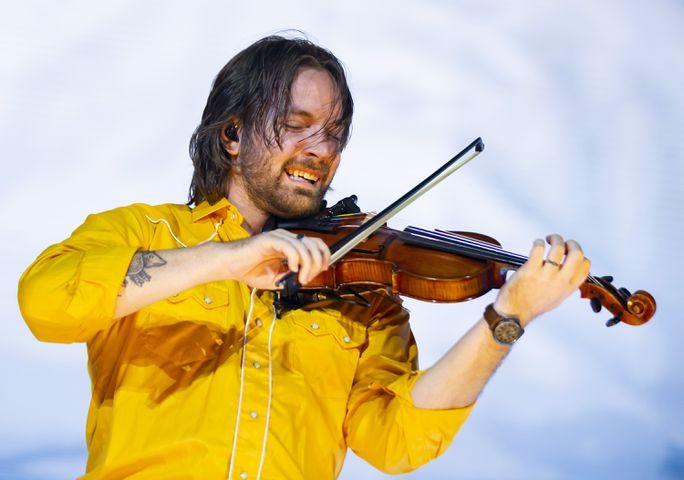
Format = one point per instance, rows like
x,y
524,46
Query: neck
x,y
253,217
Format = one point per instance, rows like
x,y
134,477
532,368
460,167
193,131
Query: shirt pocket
x,y
207,303
325,351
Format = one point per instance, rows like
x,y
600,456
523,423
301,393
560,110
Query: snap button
x,y
346,339
243,475
259,323
315,326
253,414
208,300
256,365
233,216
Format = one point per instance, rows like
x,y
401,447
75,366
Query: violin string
x,y
483,246
452,238
478,246
449,240
428,240
469,245
486,246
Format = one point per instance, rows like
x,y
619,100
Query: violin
x,y
434,266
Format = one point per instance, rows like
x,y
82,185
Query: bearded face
x,y
290,179
282,185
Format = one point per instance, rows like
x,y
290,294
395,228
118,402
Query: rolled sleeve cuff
x,y
100,276
428,432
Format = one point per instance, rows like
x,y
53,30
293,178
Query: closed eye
x,y
293,127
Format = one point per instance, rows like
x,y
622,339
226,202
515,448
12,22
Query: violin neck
x,y
468,247
461,245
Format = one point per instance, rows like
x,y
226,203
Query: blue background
x,y
580,105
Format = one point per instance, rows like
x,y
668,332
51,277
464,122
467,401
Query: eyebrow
x,y
308,116
301,113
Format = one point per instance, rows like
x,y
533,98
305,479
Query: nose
x,y
322,146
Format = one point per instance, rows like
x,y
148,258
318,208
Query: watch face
x,y
507,331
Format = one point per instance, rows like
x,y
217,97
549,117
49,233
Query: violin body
x,y
385,260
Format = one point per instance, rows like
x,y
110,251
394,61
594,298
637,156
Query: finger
x,y
325,253
319,253
289,250
574,267
298,258
305,258
536,257
316,256
572,245
579,276
574,255
557,250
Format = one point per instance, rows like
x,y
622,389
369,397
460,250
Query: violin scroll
x,y
631,308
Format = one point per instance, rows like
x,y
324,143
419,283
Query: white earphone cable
x,y
242,384
165,222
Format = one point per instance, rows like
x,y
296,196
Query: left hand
x,y
541,285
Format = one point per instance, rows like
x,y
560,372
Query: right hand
x,y
260,261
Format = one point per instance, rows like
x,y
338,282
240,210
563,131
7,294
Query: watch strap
x,y
492,316
505,329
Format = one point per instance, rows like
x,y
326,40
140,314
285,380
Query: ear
x,y
230,137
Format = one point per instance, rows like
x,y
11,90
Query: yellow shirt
x,y
189,388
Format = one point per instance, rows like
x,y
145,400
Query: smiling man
x,y
193,374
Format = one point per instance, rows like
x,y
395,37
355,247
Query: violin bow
x,y
289,283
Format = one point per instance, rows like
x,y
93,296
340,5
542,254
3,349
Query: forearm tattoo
x,y
141,261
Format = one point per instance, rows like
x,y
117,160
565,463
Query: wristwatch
x,y
505,330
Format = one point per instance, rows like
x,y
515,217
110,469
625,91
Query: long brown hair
x,y
254,87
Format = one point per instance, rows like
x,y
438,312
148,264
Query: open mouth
x,y
303,175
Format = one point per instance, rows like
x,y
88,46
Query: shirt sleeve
x,y
383,426
69,292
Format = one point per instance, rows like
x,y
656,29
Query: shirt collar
x,y
222,209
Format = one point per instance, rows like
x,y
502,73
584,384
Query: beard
x,y
267,187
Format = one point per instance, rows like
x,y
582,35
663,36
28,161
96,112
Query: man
x,y
193,374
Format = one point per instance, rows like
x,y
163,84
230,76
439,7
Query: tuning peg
x,y
607,278
595,304
613,321
624,293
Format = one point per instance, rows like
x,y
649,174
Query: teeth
x,y
302,174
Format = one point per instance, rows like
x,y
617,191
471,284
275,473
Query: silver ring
x,y
300,236
555,264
